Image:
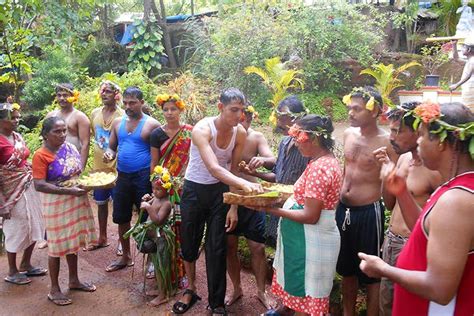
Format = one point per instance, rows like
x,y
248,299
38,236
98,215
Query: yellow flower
x,y
74,98
15,107
158,169
346,99
250,109
180,104
273,118
167,185
166,177
370,104
175,97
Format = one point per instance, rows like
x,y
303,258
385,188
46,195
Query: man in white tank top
x,y
216,150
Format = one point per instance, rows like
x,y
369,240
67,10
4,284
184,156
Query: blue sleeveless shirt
x,y
133,153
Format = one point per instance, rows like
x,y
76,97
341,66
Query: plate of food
x,y
98,179
267,199
286,190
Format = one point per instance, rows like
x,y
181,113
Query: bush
x,y
105,56
324,38
56,68
325,104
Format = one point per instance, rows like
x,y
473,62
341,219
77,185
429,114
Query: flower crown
x,y
10,107
162,177
116,87
429,113
163,98
365,95
302,135
251,110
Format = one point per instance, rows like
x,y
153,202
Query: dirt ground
x,y
118,293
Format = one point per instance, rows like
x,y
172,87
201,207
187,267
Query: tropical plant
x,y
196,94
387,78
105,56
448,17
406,20
148,49
277,78
433,57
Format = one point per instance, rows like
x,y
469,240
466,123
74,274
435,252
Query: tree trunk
x,y
161,17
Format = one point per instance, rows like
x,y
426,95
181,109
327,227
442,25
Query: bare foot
x,y
157,301
266,300
152,292
231,299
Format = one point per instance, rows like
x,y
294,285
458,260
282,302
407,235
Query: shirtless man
x,y
421,182
78,125
251,224
360,214
130,134
216,150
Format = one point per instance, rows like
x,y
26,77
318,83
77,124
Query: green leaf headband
x,y
365,95
430,113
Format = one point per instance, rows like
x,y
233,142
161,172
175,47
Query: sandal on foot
x,y
60,301
219,311
18,279
85,287
95,247
181,308
35,271
118,266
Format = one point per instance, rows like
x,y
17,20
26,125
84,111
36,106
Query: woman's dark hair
x,y
232,95
48,125
455,113
65,87
133,92
3,114
398,114
313,122
293,104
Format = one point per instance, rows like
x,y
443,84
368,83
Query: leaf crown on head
x,y
366,95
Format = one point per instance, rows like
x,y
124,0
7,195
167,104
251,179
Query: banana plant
x,y
387,78
277,78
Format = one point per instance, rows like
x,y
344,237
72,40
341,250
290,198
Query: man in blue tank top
x,y
130,134
215,152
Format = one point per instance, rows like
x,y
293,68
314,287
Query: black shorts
x,y
361,231
251,224
129,190
203,204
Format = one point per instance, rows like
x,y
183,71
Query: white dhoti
x,y
25,225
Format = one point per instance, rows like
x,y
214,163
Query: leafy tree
x,y
278,78
387,78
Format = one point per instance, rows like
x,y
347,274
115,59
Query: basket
x,y
108,185
256,201
285,190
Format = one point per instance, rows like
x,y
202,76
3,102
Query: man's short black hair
x,y
133,92
232,95
65,87
293,104
398,114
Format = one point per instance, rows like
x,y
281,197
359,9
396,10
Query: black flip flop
x,y
219,311
181,308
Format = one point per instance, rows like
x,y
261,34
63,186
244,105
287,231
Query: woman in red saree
x,y
20,205
170,148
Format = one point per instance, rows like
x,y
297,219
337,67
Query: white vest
x,y
197,170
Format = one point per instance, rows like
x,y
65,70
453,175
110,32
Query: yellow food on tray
x,y
260,200
97,179
286,190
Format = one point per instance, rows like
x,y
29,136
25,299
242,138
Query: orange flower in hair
x,y
428,112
